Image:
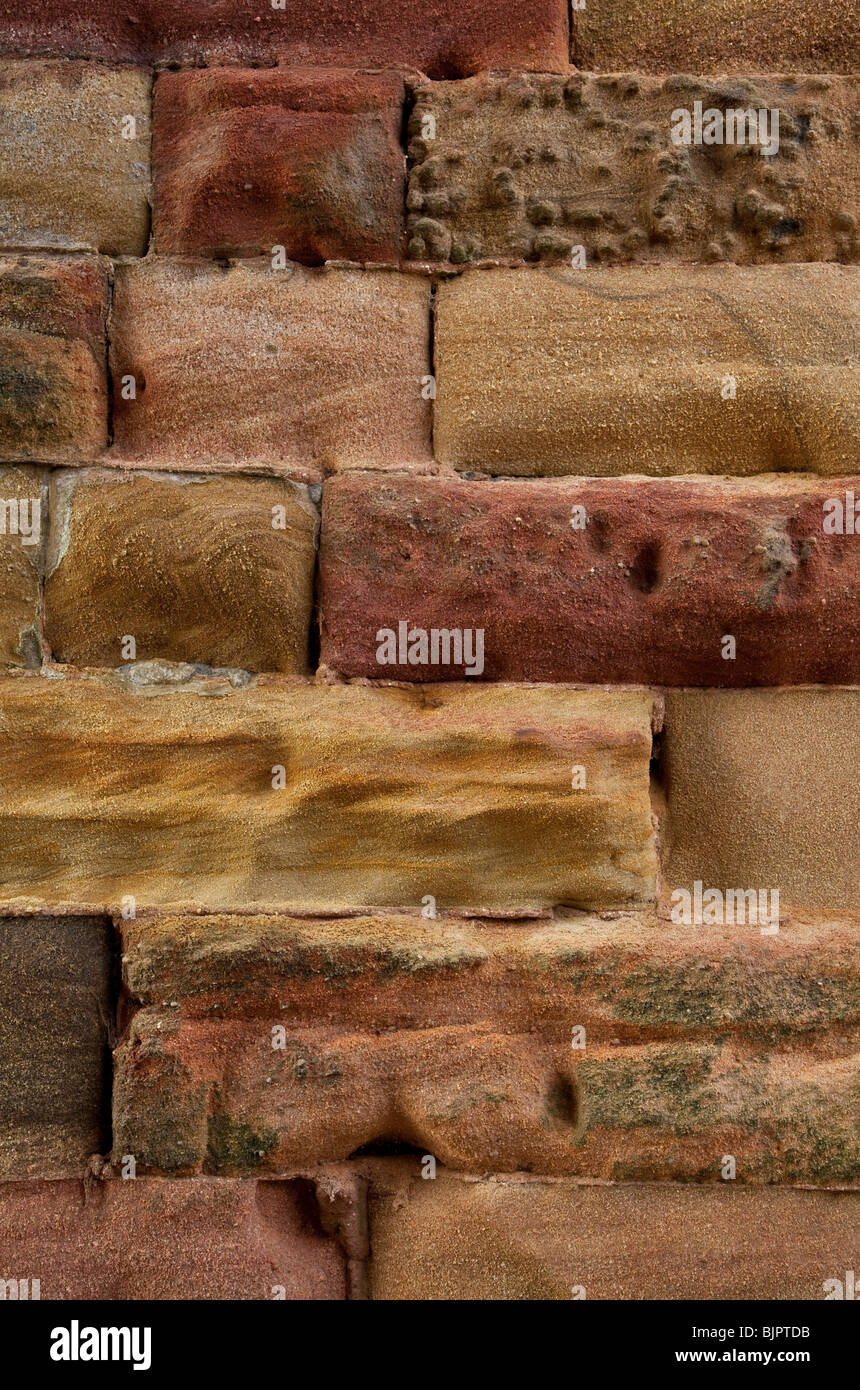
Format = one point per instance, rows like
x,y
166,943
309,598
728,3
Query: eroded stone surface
x,y
533,167
149,784
649,370
53,389
21,550
217,571
305,159
717,36
762,793
597,581
269,369
169,1240
74,157
497,1239
56,1019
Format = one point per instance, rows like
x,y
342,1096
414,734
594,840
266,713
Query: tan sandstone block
x,y
74,170
762,793
210,570
533,167
491,1239
139,784
269,370
626,370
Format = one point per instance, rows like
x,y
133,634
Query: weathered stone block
x,y
53,387
210,570
649,370
74,157
268,370
306,159
602,167
326,797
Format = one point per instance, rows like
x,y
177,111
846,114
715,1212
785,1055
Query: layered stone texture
x,y
21,550
53,388
762,793
648,370
269,370
208,570
169,1240
530,167
74,157
56,1027
326,797
498,1239
717,36
264,1043
596,581
441,38
305,159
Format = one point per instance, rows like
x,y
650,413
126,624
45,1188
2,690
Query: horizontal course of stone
x,y
455,1039
135,783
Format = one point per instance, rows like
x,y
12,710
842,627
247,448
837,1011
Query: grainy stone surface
x,y
137,783
210,570
596,580
445,38
513,1239
21,550
73,172
305,159
53,389
456,1039
169,1240
717,36
632,370
762,792
56,1012
269,370
533,166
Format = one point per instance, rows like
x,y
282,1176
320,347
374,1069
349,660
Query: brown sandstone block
x,y
168,1240
21,550
498,1239
595,581
210,570
301,158
651,370
265,1044
444,38
53,389
138,784
56,1012
269,369
534,166
74,172
762,793
717,36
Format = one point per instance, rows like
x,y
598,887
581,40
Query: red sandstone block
x,y
53,388
309,160
168,1240
596,581
445,38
